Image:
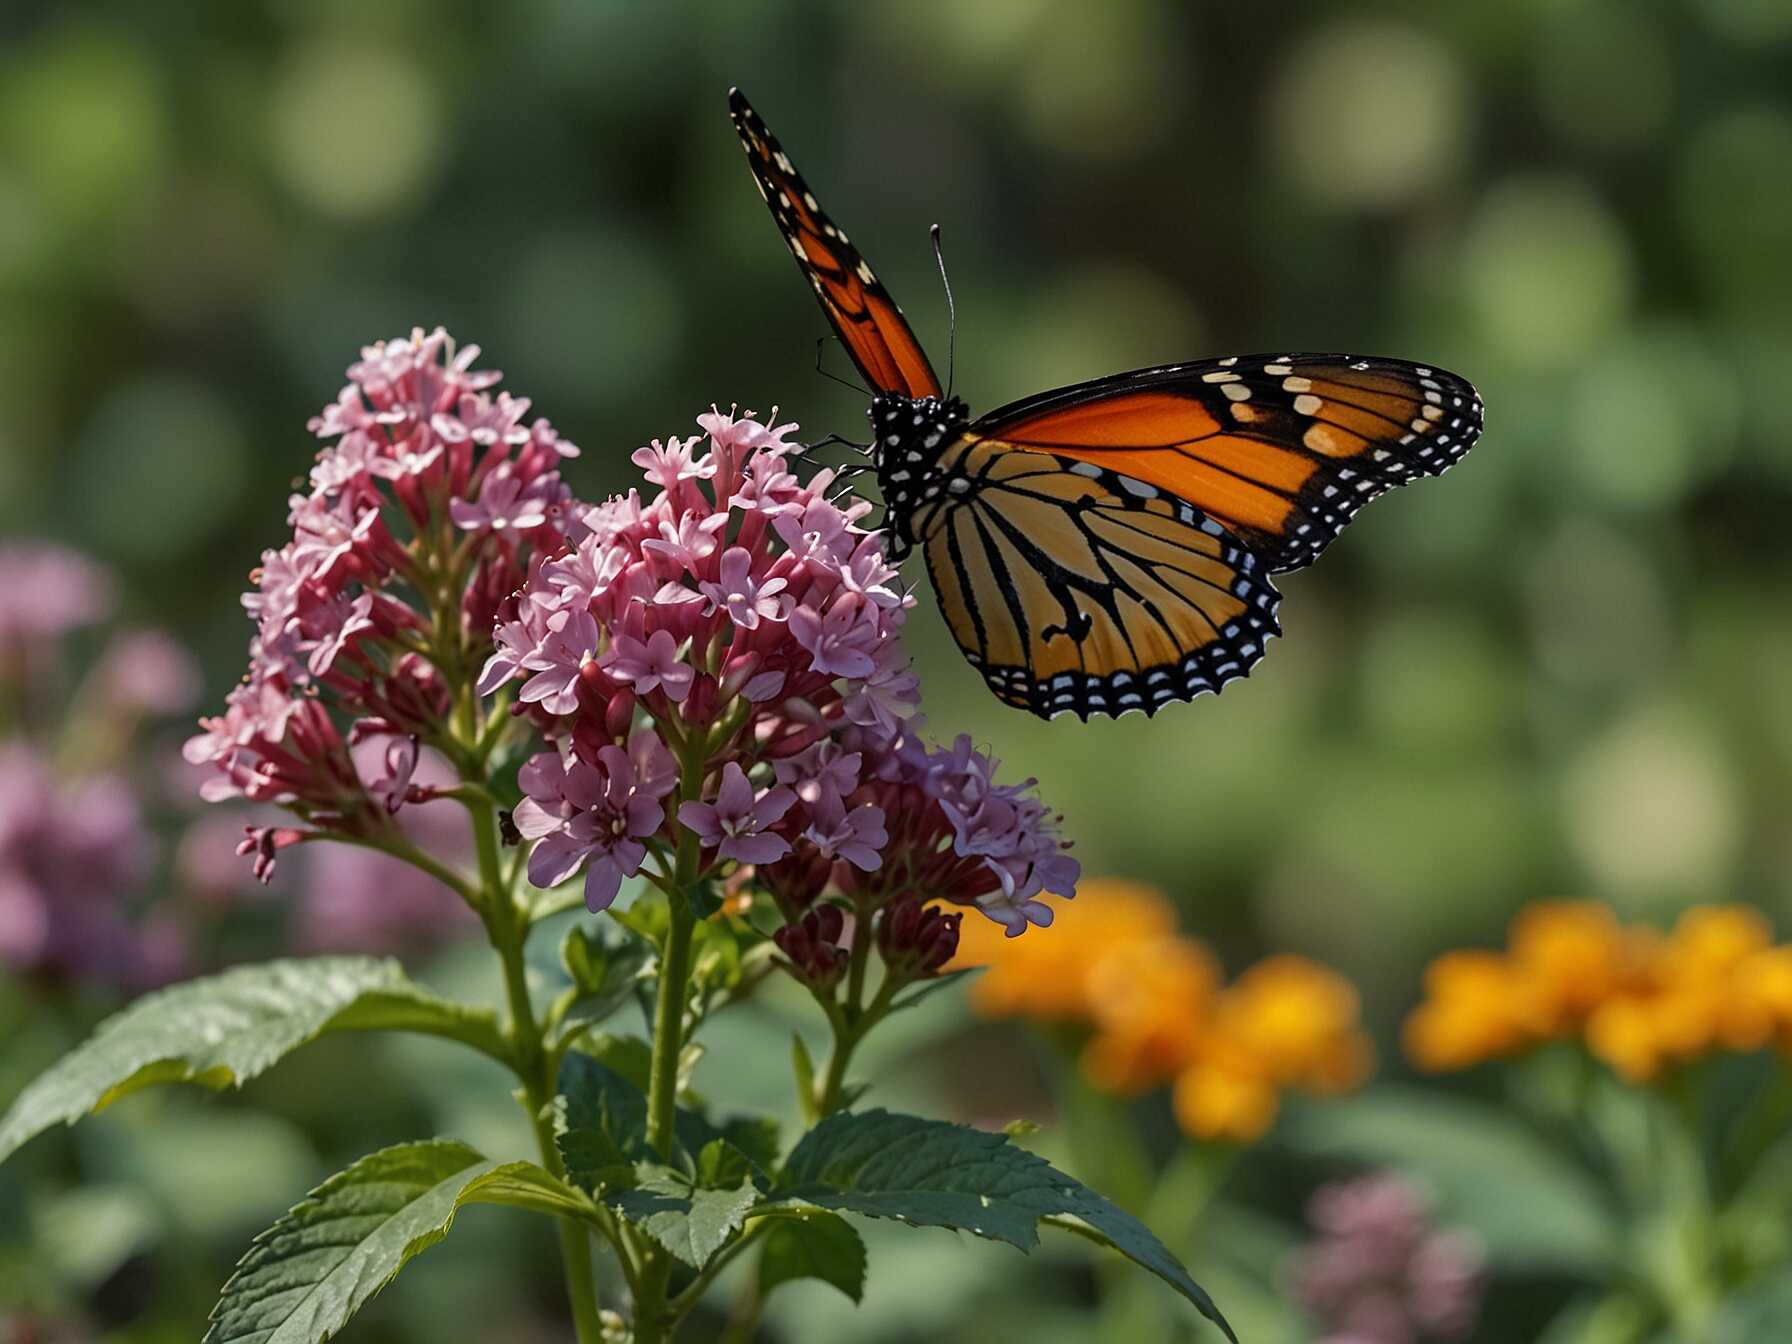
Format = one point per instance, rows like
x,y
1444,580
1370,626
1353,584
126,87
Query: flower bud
x,y
797,879
813,946
915,940
700,704
619,714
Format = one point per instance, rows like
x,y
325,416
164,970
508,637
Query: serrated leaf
x,y
606,977
311,1271
933,1174
604,1121
224,1029
689,1221
813,1244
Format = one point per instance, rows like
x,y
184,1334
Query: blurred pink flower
x,y
1378,1271
45,592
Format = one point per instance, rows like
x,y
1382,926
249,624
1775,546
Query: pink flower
x,y
666,465
737,824
507,503
649,666
744,597
393,786
689,541
594,815
46,591
570,643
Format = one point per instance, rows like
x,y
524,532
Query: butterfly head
x,y
909,435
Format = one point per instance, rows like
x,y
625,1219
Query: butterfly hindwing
x,y
1281,450
868,322
1075,590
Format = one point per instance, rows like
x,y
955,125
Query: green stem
x,y
529,1061
654,1318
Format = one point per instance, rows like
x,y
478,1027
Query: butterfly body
x,y
1108,547
909,436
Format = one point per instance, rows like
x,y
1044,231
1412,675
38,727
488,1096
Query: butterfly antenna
x,y
951,315
820,342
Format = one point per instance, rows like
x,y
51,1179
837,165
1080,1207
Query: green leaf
x,y
689,1221
929,1173
603,1123
311,1271
605,979
803,1065
813,1244
225,1029
908,998
1543,1211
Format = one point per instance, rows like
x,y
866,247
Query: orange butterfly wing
x,y
867,319
1281,450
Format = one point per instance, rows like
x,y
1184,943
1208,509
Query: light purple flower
x,y
570,643
394,783
857,836
843,640
594,816
736,591
649,666
736,825
826,770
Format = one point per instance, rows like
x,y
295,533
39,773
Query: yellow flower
x,y
1571,956
1044,973
1710,941
1758,1009
1150,1002
1476,1008
1220,1099
1298,1021
1623,1032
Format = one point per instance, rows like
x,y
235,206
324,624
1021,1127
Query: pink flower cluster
x,y
421,517
1379,1271
75,852
71,853
721,659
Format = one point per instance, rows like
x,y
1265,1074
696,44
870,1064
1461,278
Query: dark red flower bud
x,y
620,713
797,879
812,945
916,940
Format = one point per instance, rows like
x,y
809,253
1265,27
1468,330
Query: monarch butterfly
x,y
1107,547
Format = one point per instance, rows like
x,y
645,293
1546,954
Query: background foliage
x,y
1559,671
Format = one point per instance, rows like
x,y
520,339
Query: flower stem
x,y
530,1061
668,1025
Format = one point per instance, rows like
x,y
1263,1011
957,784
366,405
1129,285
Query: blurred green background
x,y
1564,669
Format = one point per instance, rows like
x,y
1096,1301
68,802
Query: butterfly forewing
x,y
1281,450
868,322
1073,590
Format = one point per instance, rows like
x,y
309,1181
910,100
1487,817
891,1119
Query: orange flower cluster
x,y
1639,1000
1158,1010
